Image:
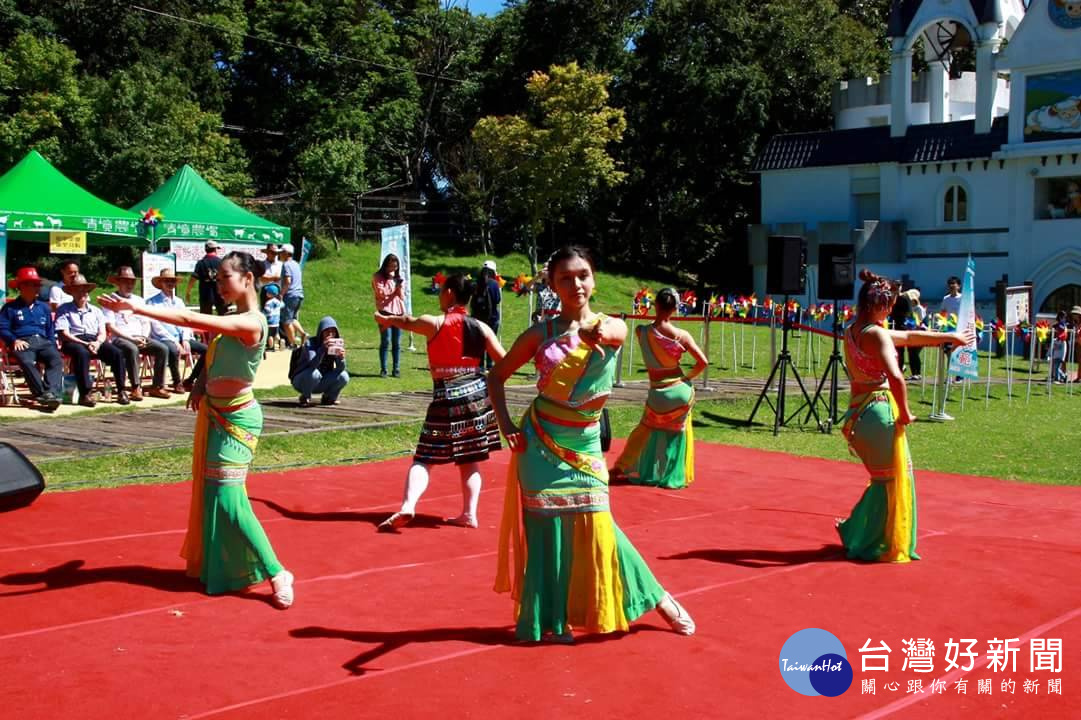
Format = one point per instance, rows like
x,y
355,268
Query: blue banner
x,y
964,361
396,240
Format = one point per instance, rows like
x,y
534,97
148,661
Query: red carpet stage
x,y
98,621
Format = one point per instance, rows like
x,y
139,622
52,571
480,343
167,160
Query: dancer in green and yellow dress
x,y
561,554
660,450
882,526
225,545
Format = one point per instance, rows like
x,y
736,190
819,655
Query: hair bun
x,y
867,276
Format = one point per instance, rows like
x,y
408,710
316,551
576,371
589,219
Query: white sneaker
x,y
941,417
282,585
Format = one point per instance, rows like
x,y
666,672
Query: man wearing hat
x,y
178,341
206,272
484,305
272,275
81,327
26,327
292,295
130,333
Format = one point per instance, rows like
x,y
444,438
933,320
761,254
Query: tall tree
x,y
40,100
713,79
543,164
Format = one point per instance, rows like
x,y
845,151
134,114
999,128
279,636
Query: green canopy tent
x,y
37,199
194,211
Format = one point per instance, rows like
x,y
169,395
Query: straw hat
x,y
79,283
1075,310
25,275
913,294
124,272
166,274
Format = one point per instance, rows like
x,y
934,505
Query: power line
x,y
301,48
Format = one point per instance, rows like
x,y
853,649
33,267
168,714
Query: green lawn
x,y
1007,437
1014,440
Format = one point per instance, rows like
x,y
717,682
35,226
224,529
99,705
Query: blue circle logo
x,y
814,662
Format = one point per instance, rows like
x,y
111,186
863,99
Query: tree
x,y
140,127
712,80
40,100
554,159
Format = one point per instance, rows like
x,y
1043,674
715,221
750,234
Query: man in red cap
x,y
26,327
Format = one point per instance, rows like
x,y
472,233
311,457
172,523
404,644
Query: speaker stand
x,y
829,375
781,366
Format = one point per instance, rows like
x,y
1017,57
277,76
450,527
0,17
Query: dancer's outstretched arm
x,y
244,326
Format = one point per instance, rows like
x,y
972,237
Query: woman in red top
x,y
389,300
460,426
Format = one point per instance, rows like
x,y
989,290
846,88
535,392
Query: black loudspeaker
x,y
20,481
836,271
786,265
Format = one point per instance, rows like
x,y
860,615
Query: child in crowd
x,y
272,308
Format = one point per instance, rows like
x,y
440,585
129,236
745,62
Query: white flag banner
x,y
964,361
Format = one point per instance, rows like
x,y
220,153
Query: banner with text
x,y
396,240
153,264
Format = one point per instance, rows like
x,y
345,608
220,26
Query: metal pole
x,y
705,346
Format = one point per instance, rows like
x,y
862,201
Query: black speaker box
x,y
836,271
20,481
786,265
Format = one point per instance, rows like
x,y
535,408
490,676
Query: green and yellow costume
x,y
225,545
882,526
560,552
660,450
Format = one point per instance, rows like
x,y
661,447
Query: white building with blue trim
x,y
919,172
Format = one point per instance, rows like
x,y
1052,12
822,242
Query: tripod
x,y
830,375
782,365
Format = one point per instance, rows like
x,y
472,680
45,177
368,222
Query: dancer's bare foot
x,y
676,615
464,520
395,521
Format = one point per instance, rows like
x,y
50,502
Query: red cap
x,y
25,275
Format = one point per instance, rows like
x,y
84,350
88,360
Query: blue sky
x,y
483,7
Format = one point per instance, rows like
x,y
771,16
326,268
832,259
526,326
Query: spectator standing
x,y
292,296
951,303
321,368
908,314
484,305
26,327
177,340
206,272
272,271
272,309
130,333
389,290
1060,334
81,328
58,294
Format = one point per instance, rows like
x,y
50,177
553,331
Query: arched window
x,y
955,205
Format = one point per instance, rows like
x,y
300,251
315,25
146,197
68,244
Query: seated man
x,y
81,328
320,365
130,333
177,340
26,327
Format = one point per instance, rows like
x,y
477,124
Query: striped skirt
x,y
460,426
